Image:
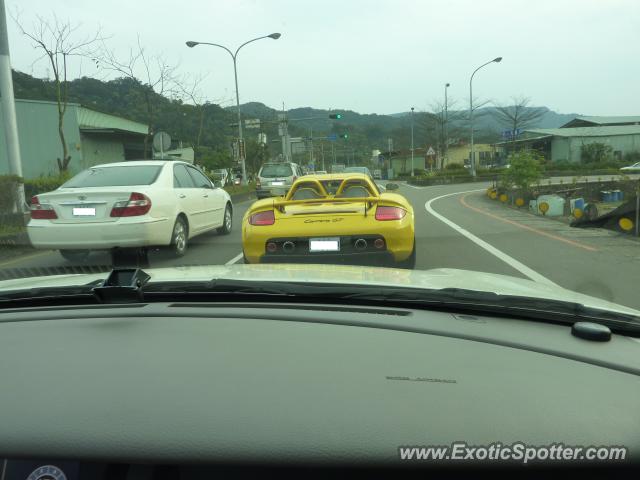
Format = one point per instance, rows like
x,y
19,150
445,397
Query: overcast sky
x,y
374,56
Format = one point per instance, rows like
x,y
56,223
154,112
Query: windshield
x,y
272,171
482,166
114,177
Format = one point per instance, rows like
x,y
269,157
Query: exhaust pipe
x,y
288,247
361,244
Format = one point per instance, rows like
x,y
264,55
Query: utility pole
x,y
311,152
322,155
9,111
446,126
472,158
412,170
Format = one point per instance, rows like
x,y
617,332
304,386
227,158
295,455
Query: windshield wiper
x,y
122,290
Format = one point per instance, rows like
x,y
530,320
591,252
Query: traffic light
x,y
335,116
344,135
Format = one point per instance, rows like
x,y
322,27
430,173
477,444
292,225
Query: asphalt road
x,y
457,226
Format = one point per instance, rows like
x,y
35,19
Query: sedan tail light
x,y
138,204
263,218
41,212
390,213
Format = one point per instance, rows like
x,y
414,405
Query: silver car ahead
x,y
275,179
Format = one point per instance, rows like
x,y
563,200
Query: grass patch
x,y
7,230
237,189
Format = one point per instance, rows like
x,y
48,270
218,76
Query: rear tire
x,y
227,222
75,255
179,238
410,261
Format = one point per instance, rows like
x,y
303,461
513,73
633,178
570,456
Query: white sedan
x,y
635,168
130,204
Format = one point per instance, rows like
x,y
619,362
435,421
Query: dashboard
x,y
159,390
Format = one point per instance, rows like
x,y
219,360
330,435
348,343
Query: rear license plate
x,y
277,184
324,245
84,212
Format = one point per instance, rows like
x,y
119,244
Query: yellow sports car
x,y
332,218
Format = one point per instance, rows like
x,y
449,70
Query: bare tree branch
x,y
57,40
518,115
152,71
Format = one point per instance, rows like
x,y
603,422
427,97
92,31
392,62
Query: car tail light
x,y
390,213
263,218
138,204
41,212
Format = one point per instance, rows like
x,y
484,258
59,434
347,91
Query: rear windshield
x,y
115,176
275,170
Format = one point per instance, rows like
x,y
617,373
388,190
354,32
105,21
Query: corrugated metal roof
x,y
92,120
610,120
47,102
588,131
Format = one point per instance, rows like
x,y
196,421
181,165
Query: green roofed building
x,y
622,134
92,138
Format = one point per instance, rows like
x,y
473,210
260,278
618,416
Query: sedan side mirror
x,y
392,186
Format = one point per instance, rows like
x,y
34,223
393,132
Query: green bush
x,y
631,157
454,166
596,153
40,185
526,169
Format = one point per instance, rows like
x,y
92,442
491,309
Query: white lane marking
x,y
522,268
413,186
234,259
381,187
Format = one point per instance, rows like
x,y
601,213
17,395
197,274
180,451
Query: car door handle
x,y
182,195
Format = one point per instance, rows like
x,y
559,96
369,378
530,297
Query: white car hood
x,y
336,274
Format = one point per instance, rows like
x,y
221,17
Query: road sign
x,y
431,151
252,123
332,136
161,142
508,134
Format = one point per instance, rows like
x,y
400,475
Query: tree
x,y
153,72
596,152
440,124
518,116
526,169
58,41
188,89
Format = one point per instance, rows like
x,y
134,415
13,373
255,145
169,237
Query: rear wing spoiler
x,y
281,204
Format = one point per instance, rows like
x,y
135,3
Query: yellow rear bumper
x,y
398,235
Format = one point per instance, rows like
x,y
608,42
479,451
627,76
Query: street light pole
x,y
412,172
234,56
472,160
446,126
